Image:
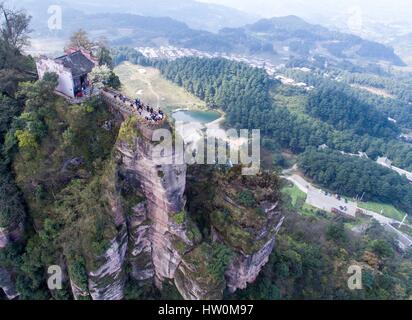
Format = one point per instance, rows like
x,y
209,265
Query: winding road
x,y
318,199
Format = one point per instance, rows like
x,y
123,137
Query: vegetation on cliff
x,y
129,131
310,261
206,266
62,177
59,175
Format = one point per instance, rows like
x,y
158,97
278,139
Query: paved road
x,y
380,218
404,240
299,182
388,164
317,198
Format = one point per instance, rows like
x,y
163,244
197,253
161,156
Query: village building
x,y
72,69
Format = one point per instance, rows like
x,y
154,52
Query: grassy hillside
x,y
386,209
149,85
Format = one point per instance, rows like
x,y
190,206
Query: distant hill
x,y
403,46
197,15
288,38
136,30
304,39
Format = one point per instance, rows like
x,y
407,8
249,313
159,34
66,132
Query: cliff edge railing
x,y
149,118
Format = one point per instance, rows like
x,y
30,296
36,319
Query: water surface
x,y
202,117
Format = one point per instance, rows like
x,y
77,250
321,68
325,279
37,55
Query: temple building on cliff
x,y
72,68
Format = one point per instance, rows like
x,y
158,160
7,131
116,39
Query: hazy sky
x,y
377,9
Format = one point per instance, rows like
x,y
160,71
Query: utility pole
x,y
362,197
403,221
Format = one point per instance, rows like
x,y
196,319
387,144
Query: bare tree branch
x,y
14,27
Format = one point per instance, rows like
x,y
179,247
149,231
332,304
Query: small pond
x,y
202,117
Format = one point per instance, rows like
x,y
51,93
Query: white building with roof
x,y
72,69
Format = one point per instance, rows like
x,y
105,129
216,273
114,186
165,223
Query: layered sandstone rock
x,y
159,242
155,228
245,269
107,282
249,227
7,284
140,246
193,278
8,236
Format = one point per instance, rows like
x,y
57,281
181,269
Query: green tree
x,y
99,77
14,35
26,139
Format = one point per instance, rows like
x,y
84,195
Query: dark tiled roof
x,y
77,63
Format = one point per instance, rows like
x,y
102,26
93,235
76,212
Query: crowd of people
x,y
150,114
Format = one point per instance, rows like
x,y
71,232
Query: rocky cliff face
x,y
96,266
106,279
7,284
140,246
158,240
107,282
147,205
158,224
194,278
244,215
8,235
256,228
245,269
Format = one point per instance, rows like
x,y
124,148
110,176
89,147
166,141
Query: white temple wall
x,y
65,85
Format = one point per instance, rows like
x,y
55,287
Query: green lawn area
x,y
298,202
351,224
388,210
149,85
308,210
298,197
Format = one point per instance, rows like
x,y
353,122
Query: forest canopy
x,y
353,176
